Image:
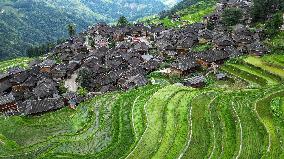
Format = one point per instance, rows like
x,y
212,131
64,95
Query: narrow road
x,y
71,83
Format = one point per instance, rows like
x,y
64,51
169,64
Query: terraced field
x,y
268,70
163,121
18,62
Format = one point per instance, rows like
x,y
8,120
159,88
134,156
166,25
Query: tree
x,y
232,16
262,9
85,78
71,29
122,21
272,26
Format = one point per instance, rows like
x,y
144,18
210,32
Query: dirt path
x,y
71,83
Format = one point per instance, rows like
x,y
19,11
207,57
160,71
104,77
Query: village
x,y
108,58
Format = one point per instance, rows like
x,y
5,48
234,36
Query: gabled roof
x,y
40,106
242,30
15,70
21,77
257,47
185,43
196,80
3,75
6,99
142,46
232,51
47,63
185,63
223,40
206,34
45,88
212,56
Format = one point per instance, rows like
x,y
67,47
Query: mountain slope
x,y
30,22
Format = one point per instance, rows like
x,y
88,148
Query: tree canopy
x,y
122,21
232,16
71,29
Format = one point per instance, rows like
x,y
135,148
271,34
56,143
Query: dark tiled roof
x,y
212,56
196,80
232,51
6,99
39,106
257,47
185,63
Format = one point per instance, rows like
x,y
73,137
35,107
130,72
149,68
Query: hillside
x,y
30,22
156,121
179,86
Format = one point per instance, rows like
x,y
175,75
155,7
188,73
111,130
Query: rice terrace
x,y
162,121
182,79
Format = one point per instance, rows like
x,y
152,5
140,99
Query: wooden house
x,y
196,82
46,66
33,107
185,64
119,35
222,41
205,36
4,82
8,103
184,45
257,49
206,58
141,47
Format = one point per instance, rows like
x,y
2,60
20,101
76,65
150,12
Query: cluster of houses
x,y
118,58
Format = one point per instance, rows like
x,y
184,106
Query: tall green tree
x,y
262,9
122,21
232,16
71,29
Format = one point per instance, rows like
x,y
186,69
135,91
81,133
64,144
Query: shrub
x,y
82,91
62,89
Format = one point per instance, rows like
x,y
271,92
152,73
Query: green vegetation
x,y
202,47
231,16
154,122
71,29
27,24
191,14
18,62
122,22
263,8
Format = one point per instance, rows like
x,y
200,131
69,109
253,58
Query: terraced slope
x,y
155,122
18,62
257,71
162,121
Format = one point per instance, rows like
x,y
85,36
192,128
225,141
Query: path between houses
x,y
71,83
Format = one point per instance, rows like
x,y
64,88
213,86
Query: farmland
x,y
162,121
18,62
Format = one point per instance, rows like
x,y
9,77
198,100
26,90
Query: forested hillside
x,y
31,22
